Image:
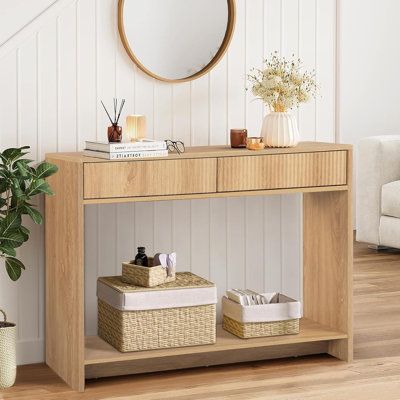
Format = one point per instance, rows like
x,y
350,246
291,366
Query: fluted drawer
x,y
278,171
149,178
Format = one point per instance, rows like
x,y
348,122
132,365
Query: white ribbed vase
x,y
280,129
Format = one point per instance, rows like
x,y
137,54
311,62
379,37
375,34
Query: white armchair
x,y
378,191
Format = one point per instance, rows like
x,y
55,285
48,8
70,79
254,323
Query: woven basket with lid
x,y
8,363
176,314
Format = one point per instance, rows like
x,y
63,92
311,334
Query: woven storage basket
x,y
8,365
145,276
190,322
275,319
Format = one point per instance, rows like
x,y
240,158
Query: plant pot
x,y
280,129
8,362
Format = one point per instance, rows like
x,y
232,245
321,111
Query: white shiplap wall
x,y
52,77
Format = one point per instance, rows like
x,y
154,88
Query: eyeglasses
x,y
177,146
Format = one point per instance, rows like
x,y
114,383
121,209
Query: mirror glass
x,y
174,39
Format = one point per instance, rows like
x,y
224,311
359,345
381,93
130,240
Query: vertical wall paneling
x,y
163,129
144,223
200,104
272,39
218,248
181,233
307,53
200,237
67,79
272,26
236,246
87,130
254,108
125,213
52,78
254,56
272,244
86,74
181,113
236,72
144,98
219,104
107,74
291,245
162,227
48,88
8,138
254,241
325,61
290,206
28,296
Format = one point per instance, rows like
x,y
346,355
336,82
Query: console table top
x,y
212,151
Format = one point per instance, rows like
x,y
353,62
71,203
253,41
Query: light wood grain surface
x,y
149,178
97,351
282,171
327,255
374,374
215,151
65,274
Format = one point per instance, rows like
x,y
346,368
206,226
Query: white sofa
x,y
378,191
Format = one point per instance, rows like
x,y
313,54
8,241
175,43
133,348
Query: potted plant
x,y
19,184
281,86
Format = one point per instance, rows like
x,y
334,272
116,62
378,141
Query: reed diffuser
x,y
114,131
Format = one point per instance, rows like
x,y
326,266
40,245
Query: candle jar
x,y
238,138
255,143
114,133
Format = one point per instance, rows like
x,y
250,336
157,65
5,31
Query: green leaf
x,y
13,153
17,189
8,250
23,168
4,185
14,268
45,169
24,234
24,230
34,214
39,186
13,239
11,222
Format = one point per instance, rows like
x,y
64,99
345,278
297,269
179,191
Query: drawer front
x,y
280,171
149,178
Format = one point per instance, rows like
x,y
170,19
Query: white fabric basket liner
x,y
158,299
286,309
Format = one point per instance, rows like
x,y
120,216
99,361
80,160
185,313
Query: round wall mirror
x,y
176,40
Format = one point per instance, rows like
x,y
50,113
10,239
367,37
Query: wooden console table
x,y
322,171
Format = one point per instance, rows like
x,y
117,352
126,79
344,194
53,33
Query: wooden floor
x,y
375,373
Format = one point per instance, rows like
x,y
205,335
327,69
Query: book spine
x,y
138,154
141,147
125,147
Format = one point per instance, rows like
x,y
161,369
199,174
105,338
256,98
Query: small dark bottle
x,y
141,258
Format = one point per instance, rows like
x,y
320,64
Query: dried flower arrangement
x,y
281,84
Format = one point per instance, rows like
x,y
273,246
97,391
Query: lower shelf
x,y
101,359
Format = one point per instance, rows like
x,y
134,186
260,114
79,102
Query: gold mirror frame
x,y
214,61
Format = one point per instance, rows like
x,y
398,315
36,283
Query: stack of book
x,y
144,148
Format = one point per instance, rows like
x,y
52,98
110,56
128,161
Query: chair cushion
x,y
391,199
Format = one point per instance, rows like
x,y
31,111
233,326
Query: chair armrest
x,y
378,163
